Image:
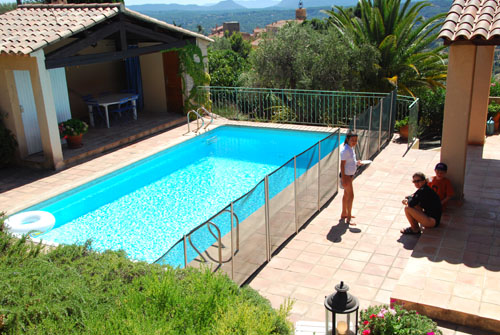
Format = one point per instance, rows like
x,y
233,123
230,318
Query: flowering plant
x,y
383,320
73,127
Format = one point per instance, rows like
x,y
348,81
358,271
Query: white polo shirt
x,y
349,156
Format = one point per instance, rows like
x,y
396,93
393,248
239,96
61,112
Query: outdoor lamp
x,y
344,312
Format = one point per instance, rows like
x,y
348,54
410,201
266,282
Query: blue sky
x,y
143,2
180,2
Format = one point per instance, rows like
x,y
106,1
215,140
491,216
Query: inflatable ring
x,y
23,223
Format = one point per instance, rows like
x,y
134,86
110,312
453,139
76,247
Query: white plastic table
x,y
109,100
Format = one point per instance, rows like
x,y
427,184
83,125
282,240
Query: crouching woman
x,y
422,207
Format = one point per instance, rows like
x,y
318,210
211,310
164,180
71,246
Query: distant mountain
x,y
220,6
225,5
291,4
257,3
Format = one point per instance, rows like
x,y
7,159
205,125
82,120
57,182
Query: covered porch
x,y
99,140
58,56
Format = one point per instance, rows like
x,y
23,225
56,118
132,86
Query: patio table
x,y
111,99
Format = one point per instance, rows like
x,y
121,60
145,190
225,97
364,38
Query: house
x,y
51,55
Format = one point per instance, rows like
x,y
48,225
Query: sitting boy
x,y
442,185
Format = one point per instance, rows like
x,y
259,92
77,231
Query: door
x,y
28,111
28,107
173,83
60,93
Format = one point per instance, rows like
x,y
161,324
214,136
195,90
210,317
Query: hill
x,y
292,4
225,5
193,16
248,18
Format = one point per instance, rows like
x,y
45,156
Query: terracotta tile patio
x,y
450,273
453,270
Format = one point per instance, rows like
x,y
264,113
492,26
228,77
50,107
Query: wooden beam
x,y
93,38
111,56
149,33
123,35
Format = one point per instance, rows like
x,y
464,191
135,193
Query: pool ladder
x,y
199,116
208,258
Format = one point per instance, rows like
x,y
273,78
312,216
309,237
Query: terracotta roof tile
x,y
31,27
34,26
472,20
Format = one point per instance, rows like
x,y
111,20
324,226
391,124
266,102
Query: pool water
x,y
148,206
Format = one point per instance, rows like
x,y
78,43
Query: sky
x,y
180,2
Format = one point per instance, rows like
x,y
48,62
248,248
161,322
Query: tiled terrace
x,y
454,268
451,273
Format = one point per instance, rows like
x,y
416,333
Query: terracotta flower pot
x,y
496,119
74,142
403,131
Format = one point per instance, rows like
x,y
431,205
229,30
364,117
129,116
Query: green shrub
x,y
8,145
401,123
495,89
493,109
73,127
74,290
431,110
383,320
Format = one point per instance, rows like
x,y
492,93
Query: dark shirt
x,y
426,198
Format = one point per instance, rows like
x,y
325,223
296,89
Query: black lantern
x,y
344,312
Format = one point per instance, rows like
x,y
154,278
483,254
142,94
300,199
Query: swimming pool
x,y
146,207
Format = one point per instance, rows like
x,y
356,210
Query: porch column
x,y
46,113
457,110
480,94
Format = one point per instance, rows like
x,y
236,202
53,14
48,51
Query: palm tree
x,y
403,37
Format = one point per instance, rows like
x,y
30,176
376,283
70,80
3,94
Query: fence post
x,y
354,121
391,130
367,146
232,241
295,194
380,123
185,252
319,175
338,160
268,233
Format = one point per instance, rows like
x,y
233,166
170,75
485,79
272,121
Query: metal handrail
x,y
198,116
331,108
208,113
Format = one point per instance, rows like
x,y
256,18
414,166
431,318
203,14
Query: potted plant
x,y
494,112
402,126
383,320
73,130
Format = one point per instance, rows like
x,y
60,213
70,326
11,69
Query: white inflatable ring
x,y
25,222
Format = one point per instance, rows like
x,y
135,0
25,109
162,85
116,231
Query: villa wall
x,y
153,82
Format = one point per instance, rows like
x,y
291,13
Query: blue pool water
x,y
148,206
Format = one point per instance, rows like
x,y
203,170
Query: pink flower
x,y
380,314
366,322
366,332
430,333
392,311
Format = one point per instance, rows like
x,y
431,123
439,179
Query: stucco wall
x,y
5,101
153,82
9,103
